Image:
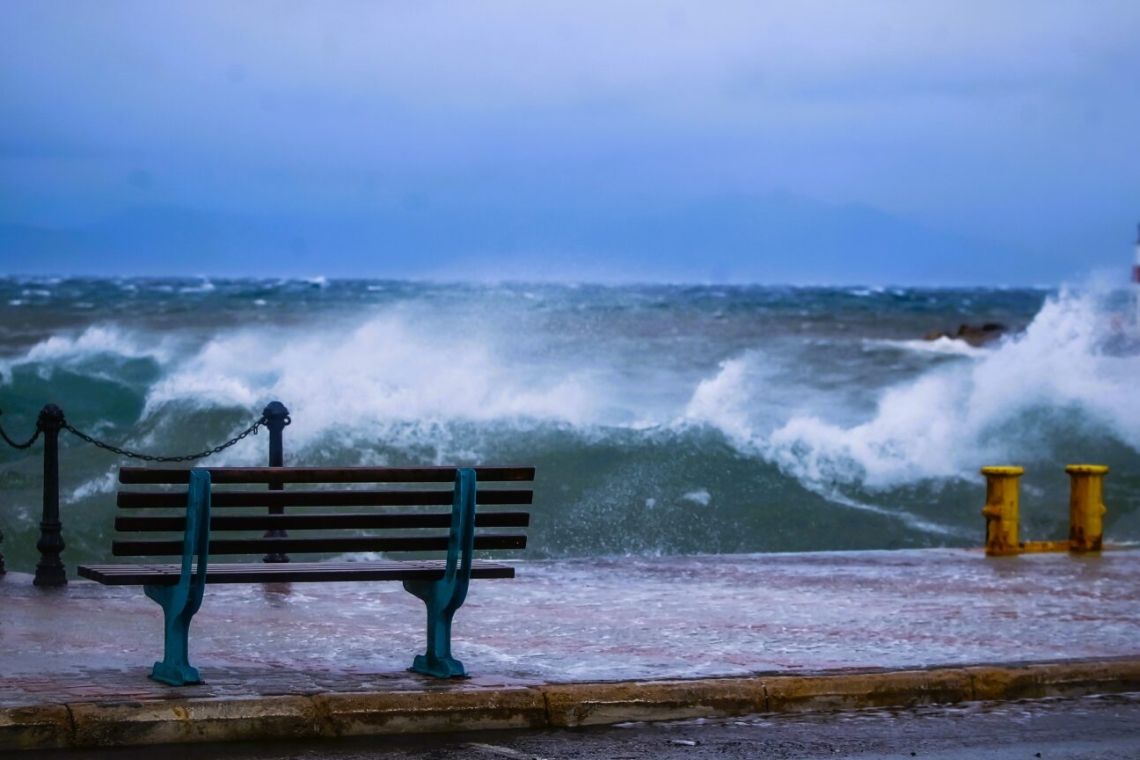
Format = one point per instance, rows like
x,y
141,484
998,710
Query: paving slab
x,y
573,642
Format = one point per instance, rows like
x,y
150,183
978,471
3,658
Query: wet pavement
x,y
614,619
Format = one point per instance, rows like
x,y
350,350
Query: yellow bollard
x,y
1086,507
1001,510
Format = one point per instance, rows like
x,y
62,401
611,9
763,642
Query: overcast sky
x,y
1013,124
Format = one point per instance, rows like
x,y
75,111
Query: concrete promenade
x,y
574,642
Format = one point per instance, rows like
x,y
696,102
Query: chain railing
x,y
15,445
50,571
27,444
251,430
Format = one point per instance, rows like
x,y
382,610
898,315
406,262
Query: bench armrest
x,y
196,540
181,601
461,538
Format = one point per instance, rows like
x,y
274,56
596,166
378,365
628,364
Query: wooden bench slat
x,y
190,529
339,545
317,498
233,475
367,521
168,574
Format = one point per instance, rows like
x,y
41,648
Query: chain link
x,y
251,430
15,445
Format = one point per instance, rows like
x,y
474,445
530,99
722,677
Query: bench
x,y
212,521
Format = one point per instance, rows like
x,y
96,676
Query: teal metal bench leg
x,y
437,661
175,668
179,602
443,597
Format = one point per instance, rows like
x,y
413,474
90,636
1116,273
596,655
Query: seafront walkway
x,y
574,642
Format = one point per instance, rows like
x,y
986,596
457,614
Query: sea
x,y
663,419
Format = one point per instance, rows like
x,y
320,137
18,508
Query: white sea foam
x,y
723,400
98,339
371,376
700,496
955,417
413,378
94,342
727,402
205,286
96,486
943,346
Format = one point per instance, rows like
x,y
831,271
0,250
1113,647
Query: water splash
x,y
662,420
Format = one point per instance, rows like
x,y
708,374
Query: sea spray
x,y
1023,400
662,419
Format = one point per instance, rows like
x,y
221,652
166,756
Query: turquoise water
x,y
662,419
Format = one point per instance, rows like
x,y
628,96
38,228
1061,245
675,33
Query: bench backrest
x,y
389,509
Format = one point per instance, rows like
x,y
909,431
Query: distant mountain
x,y
36,250
787,239
774,239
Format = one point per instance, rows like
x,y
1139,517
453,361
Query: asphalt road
x,y
1091,728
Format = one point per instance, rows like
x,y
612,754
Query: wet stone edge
x,y
110,723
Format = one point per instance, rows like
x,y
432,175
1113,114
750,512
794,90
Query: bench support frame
x,y
443,597
180,602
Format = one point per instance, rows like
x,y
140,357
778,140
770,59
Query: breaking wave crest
x,y
658,425
1022,399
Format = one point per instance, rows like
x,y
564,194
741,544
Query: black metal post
x,y
276,418
50,572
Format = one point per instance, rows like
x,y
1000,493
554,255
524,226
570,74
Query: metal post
x,y
1086,507
276,418
50,572
1001,510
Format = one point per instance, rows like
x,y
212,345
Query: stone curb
x,y
173,721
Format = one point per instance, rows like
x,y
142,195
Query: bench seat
x,y
291,572
388,517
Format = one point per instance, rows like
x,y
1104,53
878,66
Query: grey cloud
x,y
959,114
